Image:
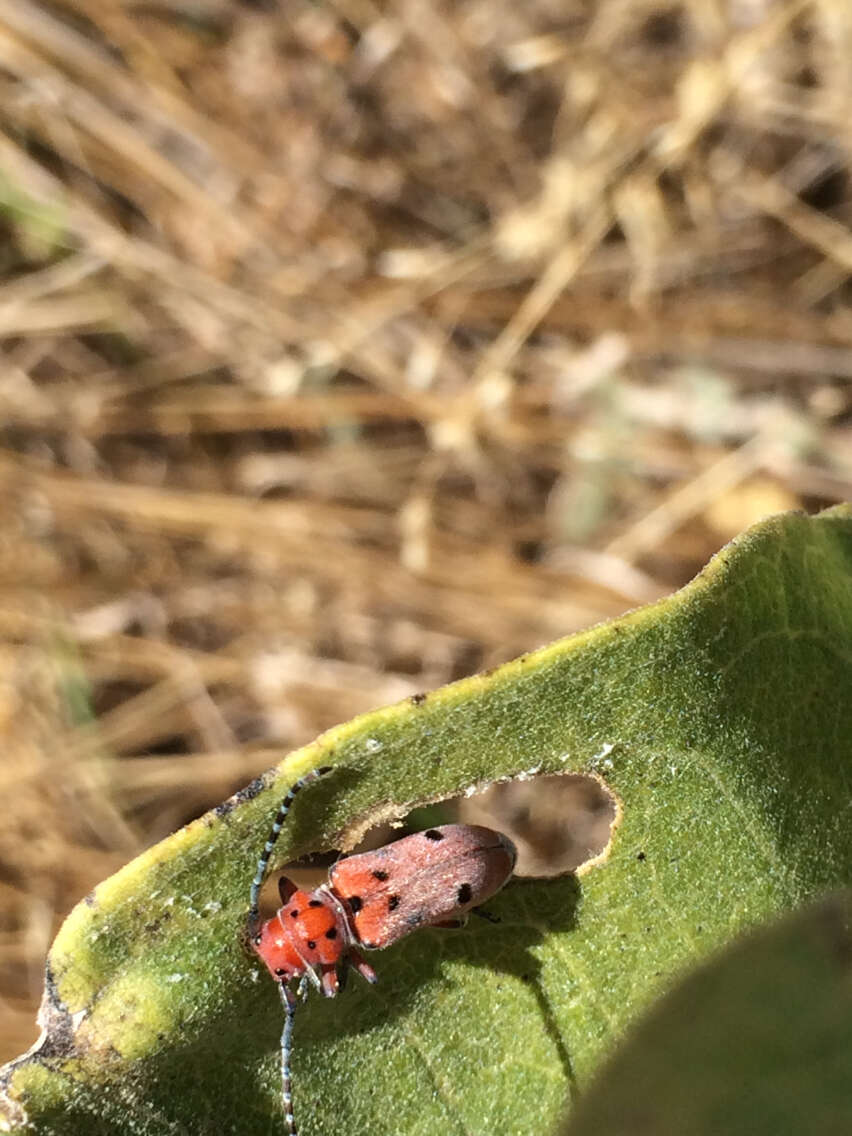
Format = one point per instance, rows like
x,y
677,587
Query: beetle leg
x,y
329,981
360,964
487,915
285,889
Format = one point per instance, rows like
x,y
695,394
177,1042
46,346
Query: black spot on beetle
x,y
433,834
315,903
393,902
312,946
331,933
294,914
464,894
279,973
355,903
378,874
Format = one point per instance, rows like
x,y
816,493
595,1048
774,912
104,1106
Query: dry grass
x,y
349,349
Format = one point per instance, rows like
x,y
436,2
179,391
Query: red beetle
x,y
430,879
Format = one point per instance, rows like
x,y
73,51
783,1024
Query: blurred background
x,y
353,346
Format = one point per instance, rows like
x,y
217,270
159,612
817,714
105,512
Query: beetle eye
x,y
257,940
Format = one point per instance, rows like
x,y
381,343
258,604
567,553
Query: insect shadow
x,y
242,1044
526,912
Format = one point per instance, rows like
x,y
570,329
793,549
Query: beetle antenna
x,y
277,824
290,1001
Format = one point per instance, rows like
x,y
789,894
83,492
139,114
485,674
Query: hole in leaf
x,y
558,823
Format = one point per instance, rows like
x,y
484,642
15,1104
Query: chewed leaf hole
x,y
558,823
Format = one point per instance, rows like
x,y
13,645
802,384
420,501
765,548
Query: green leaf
x,y
757,1043
720,718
